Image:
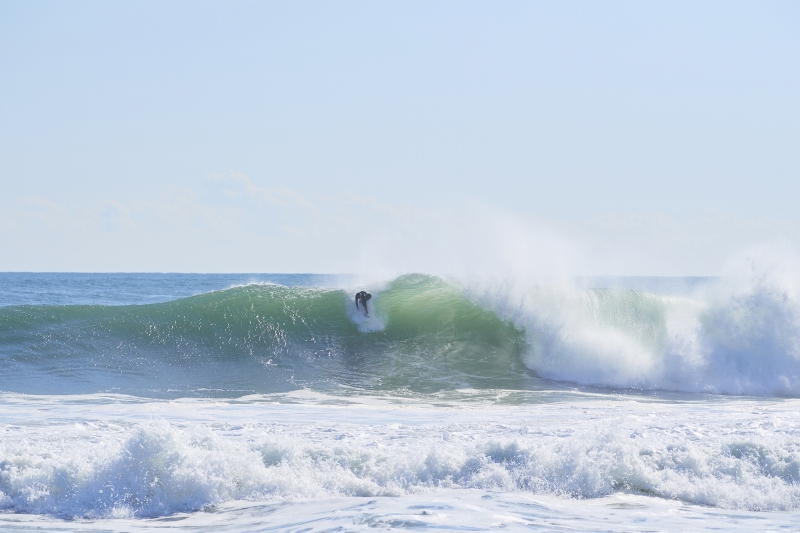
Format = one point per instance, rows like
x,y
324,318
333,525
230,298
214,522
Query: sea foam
x,y
735,335
574,450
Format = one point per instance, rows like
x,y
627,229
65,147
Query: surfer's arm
x,y
356,301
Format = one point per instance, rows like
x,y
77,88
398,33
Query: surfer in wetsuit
x,y
362,297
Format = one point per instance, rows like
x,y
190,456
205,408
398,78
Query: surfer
x,y
362,297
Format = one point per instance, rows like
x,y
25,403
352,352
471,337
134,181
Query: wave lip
x,y
728,340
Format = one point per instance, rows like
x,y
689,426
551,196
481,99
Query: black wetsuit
x,y
362,297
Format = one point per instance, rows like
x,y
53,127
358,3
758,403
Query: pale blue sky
x,y
652,137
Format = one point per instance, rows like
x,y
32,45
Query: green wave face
x,y
432,328
423,336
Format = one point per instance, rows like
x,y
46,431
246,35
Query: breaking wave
x,y
156,469
425,334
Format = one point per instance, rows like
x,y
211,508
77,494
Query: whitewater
x,y
144,402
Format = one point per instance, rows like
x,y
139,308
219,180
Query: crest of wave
x,y
738,335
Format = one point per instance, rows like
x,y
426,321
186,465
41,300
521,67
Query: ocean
x,y
267,402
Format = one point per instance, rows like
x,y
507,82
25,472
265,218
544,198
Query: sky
x,y
604,138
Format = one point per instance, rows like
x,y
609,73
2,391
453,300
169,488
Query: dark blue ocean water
x,y
46,288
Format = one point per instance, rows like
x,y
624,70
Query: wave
x,y
157,468
728,338
425,335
